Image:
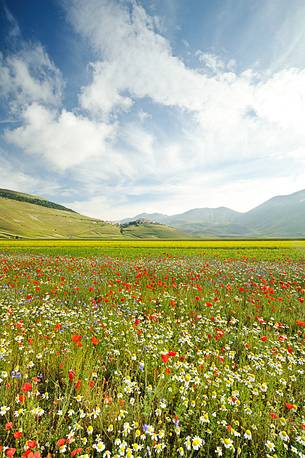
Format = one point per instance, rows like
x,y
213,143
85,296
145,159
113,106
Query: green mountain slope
x,y
26,220
26,216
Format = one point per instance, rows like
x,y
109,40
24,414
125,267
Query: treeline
x,y
139,222
32,200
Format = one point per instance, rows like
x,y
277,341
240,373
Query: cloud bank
x,y
231,127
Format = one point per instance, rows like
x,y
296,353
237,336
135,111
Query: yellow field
x,y
154,243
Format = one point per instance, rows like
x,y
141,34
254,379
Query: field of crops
x,y
258,249
160,349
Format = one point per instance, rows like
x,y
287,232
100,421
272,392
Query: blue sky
x,y
115,107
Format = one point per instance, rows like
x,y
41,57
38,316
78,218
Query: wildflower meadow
x,y
161,355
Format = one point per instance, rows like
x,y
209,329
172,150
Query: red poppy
x,y
76,451
30,454
76,338
31,443
165,358
300,323
27,387
22,398
61,442
95,341
290,406
10,452
71,375
17,435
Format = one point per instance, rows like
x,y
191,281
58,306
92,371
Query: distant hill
x,y
26,216
159,217
142,228
281,216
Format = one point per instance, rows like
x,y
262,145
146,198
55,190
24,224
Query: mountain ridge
x,y
32,199
27,216
279,216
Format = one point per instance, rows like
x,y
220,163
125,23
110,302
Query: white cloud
x,y
135,59
211,61
233,115
14,30
64,139
102,95
29,76
281,100
11,178
143,115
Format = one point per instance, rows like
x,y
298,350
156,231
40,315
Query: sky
x,y
118,107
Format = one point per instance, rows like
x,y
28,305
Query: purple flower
x,y
15,374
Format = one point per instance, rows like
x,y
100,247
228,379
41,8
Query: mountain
x,y
27,216
281,216
207,222
221,215
200,222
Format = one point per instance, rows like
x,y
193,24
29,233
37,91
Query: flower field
x,y
161,355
